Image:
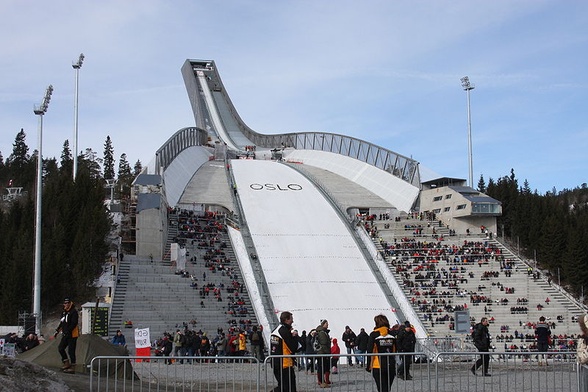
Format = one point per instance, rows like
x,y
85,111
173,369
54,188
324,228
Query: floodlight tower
x,y
39,111
467,86
76,67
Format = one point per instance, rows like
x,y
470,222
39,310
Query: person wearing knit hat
x,y
68,327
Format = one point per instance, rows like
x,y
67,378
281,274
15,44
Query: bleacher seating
x,y
441,272
208,296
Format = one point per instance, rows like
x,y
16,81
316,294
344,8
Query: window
x,y
448,196
461,207
446,209
437,198
486,208
437,210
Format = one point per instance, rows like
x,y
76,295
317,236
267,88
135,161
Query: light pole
x,y
40,111
467,86
77,67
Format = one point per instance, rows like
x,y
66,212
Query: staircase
x,y
152,294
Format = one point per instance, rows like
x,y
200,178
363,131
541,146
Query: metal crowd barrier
x,y
444,372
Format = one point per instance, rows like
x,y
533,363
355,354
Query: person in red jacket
x,y
335,350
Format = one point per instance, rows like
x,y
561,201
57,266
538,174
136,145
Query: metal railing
x,y
446,372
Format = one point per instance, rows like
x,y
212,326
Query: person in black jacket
x,y
361,342
310,352
349,339
382,367
167,346
543,334
405,343
68,327
283,343
482,342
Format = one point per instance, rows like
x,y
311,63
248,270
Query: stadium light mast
x,y
467,86
39,111
76,67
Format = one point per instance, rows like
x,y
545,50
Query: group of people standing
x,y
382,340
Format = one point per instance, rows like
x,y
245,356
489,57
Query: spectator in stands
x,y
543,335
380,341
282,343
119,339
361,343
481,338
349,340
324,340
30,342
405,343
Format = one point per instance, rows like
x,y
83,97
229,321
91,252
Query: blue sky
x,y
383,71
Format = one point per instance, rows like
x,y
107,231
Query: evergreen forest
x,y
75,225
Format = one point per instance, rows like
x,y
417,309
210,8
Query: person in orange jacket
x,y
382,367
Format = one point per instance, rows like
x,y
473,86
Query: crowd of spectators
x,y
436,274
216,278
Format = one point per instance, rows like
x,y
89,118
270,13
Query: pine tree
x,y
125,175
108,159
576,259
91,163
138,168
66,164
20,152
482,184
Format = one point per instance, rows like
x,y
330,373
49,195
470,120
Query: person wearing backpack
x,y
256,343
179,340
481,338
323,342
380,341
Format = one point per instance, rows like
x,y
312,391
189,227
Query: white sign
x,y
142,338
10,350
